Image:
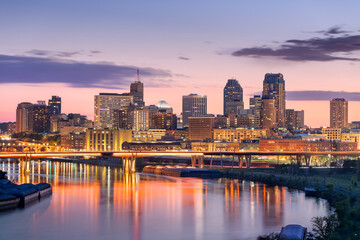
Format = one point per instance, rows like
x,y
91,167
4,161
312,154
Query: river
x,y
96,202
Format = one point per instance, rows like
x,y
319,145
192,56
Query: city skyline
x,y
98,47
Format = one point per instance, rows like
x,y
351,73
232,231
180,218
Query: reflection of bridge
x,y
129,157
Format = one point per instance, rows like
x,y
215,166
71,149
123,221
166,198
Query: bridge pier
x,y
298,160
129,164
307,160
241,159
248,161
193,161
199,160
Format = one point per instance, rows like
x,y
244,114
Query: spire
x,y
138,76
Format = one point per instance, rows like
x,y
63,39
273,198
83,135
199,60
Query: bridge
x,y
197,158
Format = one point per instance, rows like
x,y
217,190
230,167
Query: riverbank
x,y
338,186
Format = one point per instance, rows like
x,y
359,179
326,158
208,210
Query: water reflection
x,y
96,202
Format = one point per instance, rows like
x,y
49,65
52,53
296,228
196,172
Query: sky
x,y
77,49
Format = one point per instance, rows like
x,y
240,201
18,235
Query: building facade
x,y
332,133
164,120
339,113
233,97
239,135
193,105
274,85
107,139
268,112
24,119
41,118
255,106
55,105
285,145
294,119
104,106
137,90
201,128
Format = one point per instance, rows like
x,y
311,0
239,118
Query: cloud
x,y
333,31
318,95
184,58
323,49
60,54
47,53
34,70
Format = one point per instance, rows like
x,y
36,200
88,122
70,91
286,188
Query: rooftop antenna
x,y
138,75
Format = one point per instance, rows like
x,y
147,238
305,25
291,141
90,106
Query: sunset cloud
x,y
329,47
23,69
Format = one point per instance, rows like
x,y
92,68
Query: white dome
x,y
163,105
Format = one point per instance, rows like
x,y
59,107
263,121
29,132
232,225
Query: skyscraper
x,y
193,105
24,119
233,97
55,105
255,106
274,85
338,113
137,90
268,112
41,117
104,106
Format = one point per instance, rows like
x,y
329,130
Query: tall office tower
x,y
55,105
294,119
137,90
268,112
41,117
338,113
255,106
193,105
274,84
24,119
104,106
164,120
140,120
233,97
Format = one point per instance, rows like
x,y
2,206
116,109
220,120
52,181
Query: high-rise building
x,y
233,97
339,113
201,128
140,120
122,118
41,117
24,119
268,112
55,105
274,85
105,104
294,119
255,106
193,105
137,90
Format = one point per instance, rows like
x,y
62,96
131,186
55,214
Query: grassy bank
x,y
339,186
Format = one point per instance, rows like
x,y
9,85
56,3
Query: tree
x,y
324,226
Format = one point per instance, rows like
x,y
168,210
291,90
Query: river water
x,y
95,202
